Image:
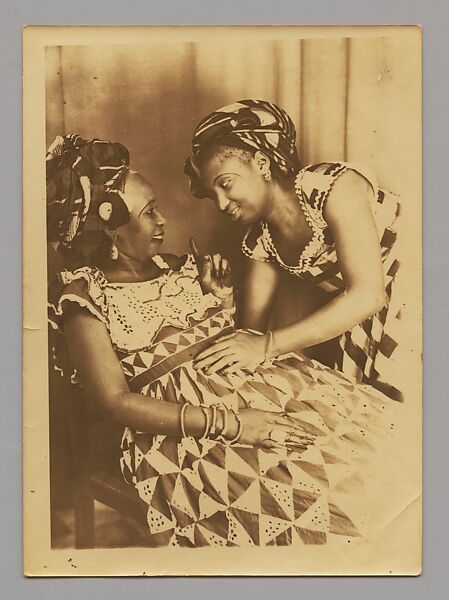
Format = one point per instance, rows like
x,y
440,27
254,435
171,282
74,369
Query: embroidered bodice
x,y
135,312
313,185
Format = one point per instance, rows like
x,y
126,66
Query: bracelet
x,y
210,429
237,436
225,412
225,422
269,346
207,416
182,418
213,424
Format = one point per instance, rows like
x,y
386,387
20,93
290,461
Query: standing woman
x,y
326,223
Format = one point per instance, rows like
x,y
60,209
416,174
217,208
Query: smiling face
x,y
233,178
142,236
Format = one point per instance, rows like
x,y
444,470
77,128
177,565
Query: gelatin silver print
x,y
222,300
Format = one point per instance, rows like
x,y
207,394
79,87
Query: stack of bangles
x,y
213,429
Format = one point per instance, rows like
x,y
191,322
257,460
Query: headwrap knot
x,y
82,177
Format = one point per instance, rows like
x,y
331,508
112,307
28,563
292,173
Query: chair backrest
x,y
94,441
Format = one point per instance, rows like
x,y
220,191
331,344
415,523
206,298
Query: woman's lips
x,y
235,213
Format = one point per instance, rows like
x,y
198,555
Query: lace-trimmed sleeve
x,y
83,292
254,244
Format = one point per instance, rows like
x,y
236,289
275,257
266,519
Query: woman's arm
x,y
92,354
258,289
349,216
350,219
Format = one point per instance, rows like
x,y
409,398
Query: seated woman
x,y
278,453
327,224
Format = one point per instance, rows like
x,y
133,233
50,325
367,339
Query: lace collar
x,y
316,223
135,312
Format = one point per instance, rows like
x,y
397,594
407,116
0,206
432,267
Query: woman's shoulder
x,y
323,175
81,290
316,182
87,281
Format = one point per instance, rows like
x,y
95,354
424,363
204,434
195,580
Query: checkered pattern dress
x,y
202,492
364,350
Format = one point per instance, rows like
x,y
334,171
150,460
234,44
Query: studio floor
x,y
111,529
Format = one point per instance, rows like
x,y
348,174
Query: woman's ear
x,y
263,165
262,161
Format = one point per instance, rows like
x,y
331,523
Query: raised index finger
x,y
194,248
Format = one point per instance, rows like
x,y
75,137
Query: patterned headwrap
x,y
85,179
251,124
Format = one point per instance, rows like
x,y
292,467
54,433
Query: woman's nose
x,y
160,219
221,201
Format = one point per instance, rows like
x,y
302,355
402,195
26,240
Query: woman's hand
x,y
265,429
238,350
214,275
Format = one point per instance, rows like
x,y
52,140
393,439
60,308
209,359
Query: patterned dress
x,y
364,349
202,492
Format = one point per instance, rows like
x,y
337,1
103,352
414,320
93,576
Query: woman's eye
x,y
225,183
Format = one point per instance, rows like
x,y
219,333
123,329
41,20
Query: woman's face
x,y
142,236
237,186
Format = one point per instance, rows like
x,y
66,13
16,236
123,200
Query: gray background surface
x,y
432,15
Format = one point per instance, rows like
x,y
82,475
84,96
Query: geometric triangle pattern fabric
x,y
206,493
223,496
138,362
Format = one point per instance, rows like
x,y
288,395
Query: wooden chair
x,y
92,469
95,448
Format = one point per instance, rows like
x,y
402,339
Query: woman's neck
x,y
284,209
128,269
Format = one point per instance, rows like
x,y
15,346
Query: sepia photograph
x,y
222,300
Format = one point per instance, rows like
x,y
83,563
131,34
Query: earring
x,y
267,175
113,251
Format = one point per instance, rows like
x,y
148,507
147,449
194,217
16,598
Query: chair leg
x,y
84,521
